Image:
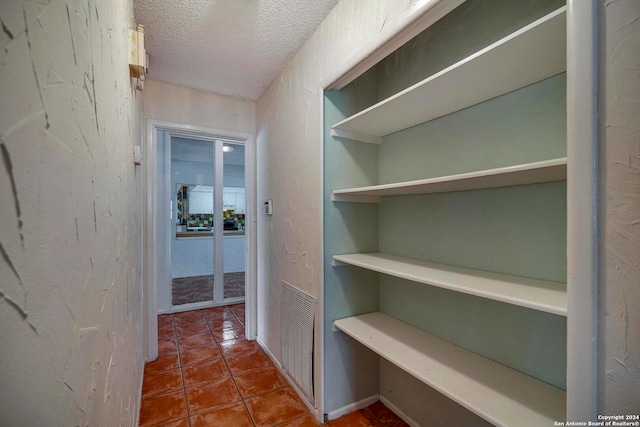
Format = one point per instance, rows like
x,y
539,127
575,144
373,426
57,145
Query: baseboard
x,y
398,412
352,407
137,418
276,362
201,305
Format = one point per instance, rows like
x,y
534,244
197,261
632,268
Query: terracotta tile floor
x,y
207,374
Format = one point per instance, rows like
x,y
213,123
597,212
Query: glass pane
x,y
233,211
192,250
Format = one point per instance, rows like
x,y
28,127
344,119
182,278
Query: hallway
x,y
83,278
207,374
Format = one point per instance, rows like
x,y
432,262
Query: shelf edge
x,y
559,164
355,198
556,309
356,136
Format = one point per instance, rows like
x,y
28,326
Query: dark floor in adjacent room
x,y
208,374
186,290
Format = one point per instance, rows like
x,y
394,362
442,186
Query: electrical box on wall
x,y
267,207
137,56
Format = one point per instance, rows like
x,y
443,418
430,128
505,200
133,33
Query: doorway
x,y
193,224
200,223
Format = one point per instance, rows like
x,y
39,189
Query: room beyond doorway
x,y
204,181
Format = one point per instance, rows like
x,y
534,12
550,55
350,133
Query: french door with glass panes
x,y
207,221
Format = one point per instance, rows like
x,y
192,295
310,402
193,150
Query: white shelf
x,y
501,395
542,295
528,173
527,56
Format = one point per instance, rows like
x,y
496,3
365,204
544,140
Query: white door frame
x,y
150,223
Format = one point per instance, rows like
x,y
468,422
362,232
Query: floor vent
x,y
298,315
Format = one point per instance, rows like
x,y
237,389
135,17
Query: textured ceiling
x,y
231,47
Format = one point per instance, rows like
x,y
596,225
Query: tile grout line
x,y
184,386
224,359
209,327
286,385
218,345
242,398
292,419
175,336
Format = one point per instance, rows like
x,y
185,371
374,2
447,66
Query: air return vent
x,y
298,313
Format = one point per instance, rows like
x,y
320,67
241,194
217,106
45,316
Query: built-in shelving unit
x,y
530,173
495,392
501,395
527,56
541,295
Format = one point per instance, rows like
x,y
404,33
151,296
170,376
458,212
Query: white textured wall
x,y
620,207
289,119
70,234
180,104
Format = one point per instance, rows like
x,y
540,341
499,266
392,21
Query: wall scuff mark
x,y
6,258
9,167
73,46
35,73
6,30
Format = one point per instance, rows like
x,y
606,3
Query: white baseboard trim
x,y
276,362
137,417
398,412
352,407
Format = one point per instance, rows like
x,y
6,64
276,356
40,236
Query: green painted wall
x,y
527,125
472,26
527,340
516,230
422,403
351,369
512,230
